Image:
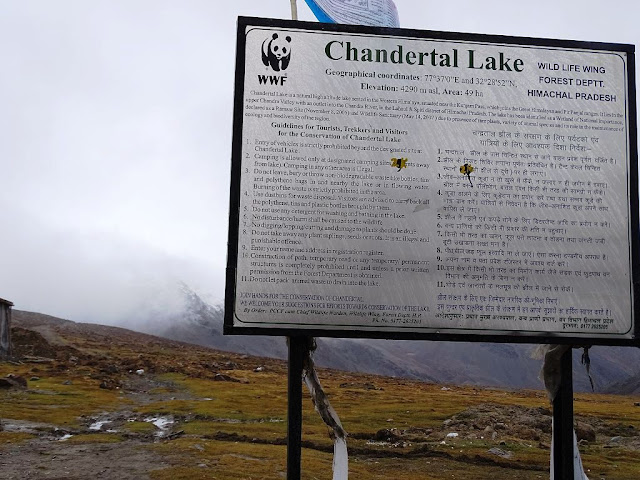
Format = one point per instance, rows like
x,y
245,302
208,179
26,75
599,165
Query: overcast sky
x,y
115,136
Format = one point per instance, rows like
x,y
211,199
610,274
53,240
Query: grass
x,y
224,460
49,400
614,408
15,437
255,410
235,430
144,428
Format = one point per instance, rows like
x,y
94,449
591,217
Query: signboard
x,y
408,184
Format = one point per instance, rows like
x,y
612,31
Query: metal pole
x,y
563,422
297,347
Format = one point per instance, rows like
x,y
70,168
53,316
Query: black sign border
x,y
500,336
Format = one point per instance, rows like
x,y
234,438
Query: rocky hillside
x,y
85,401
490,364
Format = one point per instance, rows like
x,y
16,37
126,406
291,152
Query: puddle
x,y
23,426
271,420
43,430
376,443
162,423
96,426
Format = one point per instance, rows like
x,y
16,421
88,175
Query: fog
x,y
115,139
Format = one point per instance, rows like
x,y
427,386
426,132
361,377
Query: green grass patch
x,y
14,437
140,427
49,400
52,402
224,460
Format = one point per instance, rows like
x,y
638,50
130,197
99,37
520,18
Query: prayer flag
x,y
377,13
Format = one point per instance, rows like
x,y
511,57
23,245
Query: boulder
x,y
584,431
13,381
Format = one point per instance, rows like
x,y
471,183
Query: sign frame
x,y
515,336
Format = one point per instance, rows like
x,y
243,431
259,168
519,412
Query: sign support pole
x,y
297,347
563,453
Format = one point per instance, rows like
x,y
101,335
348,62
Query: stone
x,y
387,435
13,381
584,431
220,377
500,452
18,379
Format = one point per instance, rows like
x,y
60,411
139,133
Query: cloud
x,y
92,276
115,138
115,145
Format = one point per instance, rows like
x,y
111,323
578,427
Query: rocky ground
x,y
84,401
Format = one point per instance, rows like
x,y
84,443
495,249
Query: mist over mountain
x,y
461,363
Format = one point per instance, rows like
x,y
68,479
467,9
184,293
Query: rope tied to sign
x,y
327,413
310,377
586,361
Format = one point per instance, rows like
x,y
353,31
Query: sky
x,y
115,137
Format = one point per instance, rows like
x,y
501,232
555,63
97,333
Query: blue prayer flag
x,y
378,13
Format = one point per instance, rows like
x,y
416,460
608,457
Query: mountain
x,y
201,323
461,363
627,386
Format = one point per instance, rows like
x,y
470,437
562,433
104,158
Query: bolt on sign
x,y
413,184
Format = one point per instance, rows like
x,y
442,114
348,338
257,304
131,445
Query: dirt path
x,y
53,454
54,459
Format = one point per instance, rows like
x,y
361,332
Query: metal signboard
x,y
410,184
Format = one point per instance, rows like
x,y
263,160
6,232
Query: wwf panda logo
x,y
276,52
